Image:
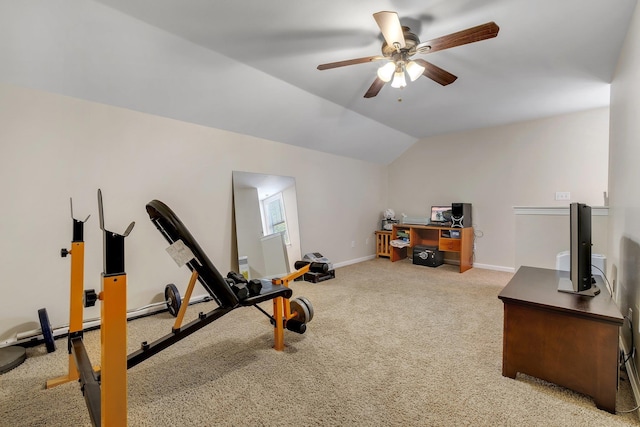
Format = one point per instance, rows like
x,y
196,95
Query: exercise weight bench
x,y
219,288
209,277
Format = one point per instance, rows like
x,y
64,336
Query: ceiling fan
x,y
401,44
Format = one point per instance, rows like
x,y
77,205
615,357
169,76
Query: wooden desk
x,y
566,339
439,237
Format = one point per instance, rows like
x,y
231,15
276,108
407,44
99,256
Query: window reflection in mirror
x,y
273,216
266,220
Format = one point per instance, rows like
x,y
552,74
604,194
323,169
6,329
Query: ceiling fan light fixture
x,y
414,70
400,44
385,73
398,79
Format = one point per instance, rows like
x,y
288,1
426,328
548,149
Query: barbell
x,y
171,298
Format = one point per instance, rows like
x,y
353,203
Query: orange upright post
x,y
113,329
278,333
113,340
75,297
75,310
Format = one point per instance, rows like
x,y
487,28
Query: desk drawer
x,y
449,245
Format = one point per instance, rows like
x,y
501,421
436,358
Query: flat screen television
x,y
580,279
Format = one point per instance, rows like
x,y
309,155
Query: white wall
x,y
534,251
624,179
495,169
55,147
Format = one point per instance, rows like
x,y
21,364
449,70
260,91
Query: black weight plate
x,y
309,307
172,297
47,333
10,357
301,310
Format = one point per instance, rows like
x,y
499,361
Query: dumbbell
x,y
236,277
241,291
253,286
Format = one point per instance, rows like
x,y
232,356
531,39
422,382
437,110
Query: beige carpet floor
x,y
391,344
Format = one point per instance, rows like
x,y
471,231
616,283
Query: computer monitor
x,y
440,214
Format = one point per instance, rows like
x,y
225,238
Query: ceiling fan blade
x,y
391,28
436,73
374,88
349,62
470,35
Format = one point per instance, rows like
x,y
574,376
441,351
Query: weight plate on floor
x,y
47,333
10,357
300,309
172,297
309,307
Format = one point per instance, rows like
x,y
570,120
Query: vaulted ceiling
x,y
249,66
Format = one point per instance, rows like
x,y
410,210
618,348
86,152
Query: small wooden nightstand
x,y
383,247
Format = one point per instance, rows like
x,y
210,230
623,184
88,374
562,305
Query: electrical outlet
x,y
563,195
366,242
353,243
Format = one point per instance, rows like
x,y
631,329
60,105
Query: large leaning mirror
x,y
266,219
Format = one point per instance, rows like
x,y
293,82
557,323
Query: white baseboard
x,y
353,261
494,267
632,373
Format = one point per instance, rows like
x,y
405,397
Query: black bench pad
x,y
268,291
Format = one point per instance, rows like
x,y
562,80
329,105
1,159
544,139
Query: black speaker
x,y
461,215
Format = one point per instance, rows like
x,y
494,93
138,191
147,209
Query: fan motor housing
x,y
410,40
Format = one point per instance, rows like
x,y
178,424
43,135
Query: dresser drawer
x,y
449,245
